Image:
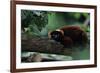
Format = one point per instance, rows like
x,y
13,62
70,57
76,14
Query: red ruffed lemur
x,y
69,36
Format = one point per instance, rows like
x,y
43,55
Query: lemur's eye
x,y
54,35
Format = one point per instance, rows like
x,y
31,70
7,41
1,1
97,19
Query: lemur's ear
x,y
60,31
49,34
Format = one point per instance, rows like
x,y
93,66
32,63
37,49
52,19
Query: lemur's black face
x,y
56,35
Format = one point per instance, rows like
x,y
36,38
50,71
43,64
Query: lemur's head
x,y
56,35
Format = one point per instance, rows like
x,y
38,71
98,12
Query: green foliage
x,y
33,17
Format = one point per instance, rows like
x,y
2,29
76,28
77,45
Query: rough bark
x,y
43,45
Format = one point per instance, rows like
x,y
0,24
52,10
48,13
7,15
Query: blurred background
x,y
38,23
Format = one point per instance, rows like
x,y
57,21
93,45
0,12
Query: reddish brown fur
x,y
74,35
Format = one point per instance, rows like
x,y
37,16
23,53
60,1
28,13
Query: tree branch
x,y
43,45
